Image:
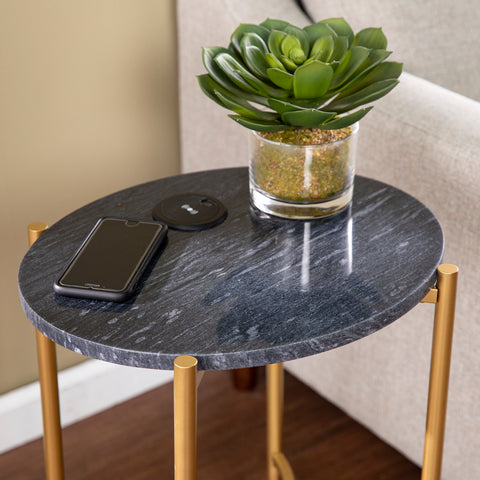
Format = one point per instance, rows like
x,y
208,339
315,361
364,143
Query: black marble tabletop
x,y
251,291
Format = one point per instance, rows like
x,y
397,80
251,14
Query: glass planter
x,y
302,181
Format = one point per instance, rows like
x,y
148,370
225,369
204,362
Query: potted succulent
x,y
299,91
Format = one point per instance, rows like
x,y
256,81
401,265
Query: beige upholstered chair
x,y
423,138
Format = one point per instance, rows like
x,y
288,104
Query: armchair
x,y
423,138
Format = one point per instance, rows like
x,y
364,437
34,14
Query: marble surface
x,y
251,291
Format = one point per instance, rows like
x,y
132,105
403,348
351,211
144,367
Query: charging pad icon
x,y
190,212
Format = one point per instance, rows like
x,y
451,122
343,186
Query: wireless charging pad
x,y
190,212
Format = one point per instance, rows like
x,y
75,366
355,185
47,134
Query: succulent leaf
x,y
341,27
315,77
345,102
318,30
348,66
232,68
258,125
301,36
322,49
244,79
282,106
215,72
275,40
274,62
376,57
245,28
244,109
255,61
307,118
383,71
292,49
209,54
281,78
290,65
371,38
253,40
345,120
340,48
209,86
273,24
312,80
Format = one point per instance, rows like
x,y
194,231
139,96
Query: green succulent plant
x,y
275,76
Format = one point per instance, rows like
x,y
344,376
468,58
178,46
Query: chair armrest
x,y
425,139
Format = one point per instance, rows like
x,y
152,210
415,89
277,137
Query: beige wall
x,y
88,105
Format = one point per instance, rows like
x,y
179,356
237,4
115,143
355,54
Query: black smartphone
x,y
111,259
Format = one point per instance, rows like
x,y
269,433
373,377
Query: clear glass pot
x,y
302,181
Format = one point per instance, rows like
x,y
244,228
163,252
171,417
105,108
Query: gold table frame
x,y
187,380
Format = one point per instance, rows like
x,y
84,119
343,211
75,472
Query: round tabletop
x,y
251,291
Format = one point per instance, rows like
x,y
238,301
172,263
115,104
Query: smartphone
x,y
111,259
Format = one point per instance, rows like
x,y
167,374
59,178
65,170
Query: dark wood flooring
x,y
134,440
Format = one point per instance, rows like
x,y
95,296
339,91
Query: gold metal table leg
x,y
47,366
278,466
439,371
52,430
185,417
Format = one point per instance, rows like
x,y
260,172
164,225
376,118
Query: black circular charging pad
x,y
190,212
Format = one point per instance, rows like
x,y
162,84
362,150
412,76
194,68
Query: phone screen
x,y
112,254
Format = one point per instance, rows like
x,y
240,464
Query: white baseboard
x,y
84,390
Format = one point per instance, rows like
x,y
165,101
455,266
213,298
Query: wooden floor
x,y
134,440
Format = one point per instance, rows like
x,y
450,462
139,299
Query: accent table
x,y
254,290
